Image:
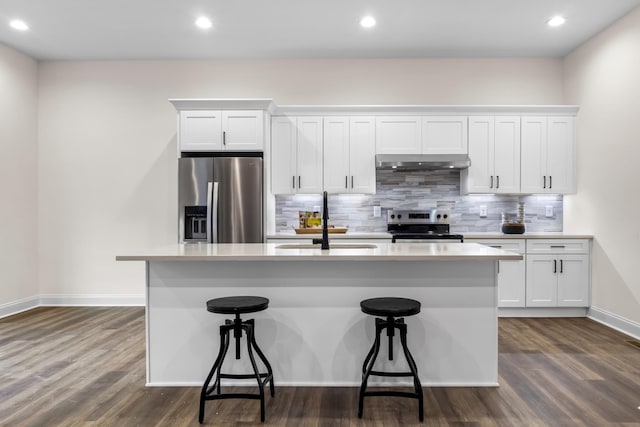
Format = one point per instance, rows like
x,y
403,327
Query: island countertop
x,y
337,252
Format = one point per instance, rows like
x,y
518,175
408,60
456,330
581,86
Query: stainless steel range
x,y
430,226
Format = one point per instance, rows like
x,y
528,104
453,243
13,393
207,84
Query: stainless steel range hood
x,y
416,162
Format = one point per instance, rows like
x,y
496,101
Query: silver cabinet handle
x,y
498,181
555,266
346,181
224,138
557,246
299,182
550,182
491,183
293,182
496,246
544,182
351,181
561,267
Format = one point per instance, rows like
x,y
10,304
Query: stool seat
x,y
390,307
237,304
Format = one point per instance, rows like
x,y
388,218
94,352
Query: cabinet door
x,y
533,166
200,130
573,281
336,155
283,155
511,283
479,176
507,154
362,156
542,281
561,155
398,135
444,135
309,151
243,130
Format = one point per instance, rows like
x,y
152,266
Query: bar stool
x,y
237,305
393,310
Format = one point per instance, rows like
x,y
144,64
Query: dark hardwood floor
x,y
85,366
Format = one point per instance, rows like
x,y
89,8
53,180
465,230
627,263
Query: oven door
x,y
427,238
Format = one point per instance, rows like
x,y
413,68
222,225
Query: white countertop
x,y
539,235
466,234
272,252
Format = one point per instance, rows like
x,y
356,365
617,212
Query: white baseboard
x,y
614,321
19,306
25,304
91,300
542,312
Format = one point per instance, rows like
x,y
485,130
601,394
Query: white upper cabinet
x,y
283,155
398,135
548,155
444,135
310,152
215,130
349,155
336,154
200,130
362,155
494,150
296,155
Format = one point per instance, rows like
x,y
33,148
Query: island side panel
x,y
313,331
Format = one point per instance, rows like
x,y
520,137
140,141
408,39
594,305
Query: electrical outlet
x,y
548,211
483,211
377,211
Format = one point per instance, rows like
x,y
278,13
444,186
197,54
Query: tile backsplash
x,y
422,190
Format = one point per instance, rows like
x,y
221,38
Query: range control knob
x,y
399,216
393,216
438,216
445,216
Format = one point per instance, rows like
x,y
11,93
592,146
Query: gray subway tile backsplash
x,y
422,190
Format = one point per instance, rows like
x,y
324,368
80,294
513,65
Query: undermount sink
x,y
331,246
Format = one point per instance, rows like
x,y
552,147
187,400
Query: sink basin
x,y
331,246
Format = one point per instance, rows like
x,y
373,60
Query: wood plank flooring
x,y
85,366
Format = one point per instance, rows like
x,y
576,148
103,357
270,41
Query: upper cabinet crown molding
x,y
265,104
433,110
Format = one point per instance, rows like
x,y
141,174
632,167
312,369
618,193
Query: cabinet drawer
x,y
513,245
557,246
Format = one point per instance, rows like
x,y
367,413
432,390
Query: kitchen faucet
x,y
325,224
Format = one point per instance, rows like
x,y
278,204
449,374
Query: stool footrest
x,y
243,376
391,374
392,393
233,396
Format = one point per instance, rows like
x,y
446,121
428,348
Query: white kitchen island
x,y
313,332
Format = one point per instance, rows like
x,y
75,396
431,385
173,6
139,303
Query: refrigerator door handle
x,y
209,209
214,214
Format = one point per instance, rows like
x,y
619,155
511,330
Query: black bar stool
x,y
237,305
393,309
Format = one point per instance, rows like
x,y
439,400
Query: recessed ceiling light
x,y
556,21
368,22
17,24
203,22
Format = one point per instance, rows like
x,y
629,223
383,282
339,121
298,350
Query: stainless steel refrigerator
x,y
220,199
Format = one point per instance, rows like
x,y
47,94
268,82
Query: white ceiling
x,y
163,29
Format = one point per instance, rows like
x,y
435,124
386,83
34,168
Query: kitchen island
x,y
313,331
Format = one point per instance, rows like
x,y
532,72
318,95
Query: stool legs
x,y
212,392
390,324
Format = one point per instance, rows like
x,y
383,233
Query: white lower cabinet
x,y
558,273
553,273
511,273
